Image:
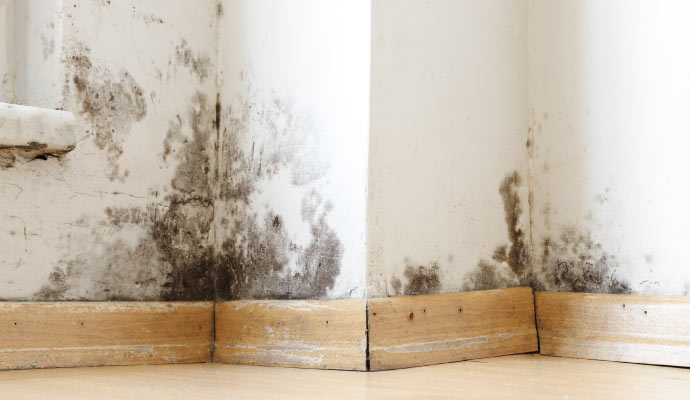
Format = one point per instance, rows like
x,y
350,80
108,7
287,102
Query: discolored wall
x,y
448,171
226,150
195,177
609,91
294,92
116,218
531,143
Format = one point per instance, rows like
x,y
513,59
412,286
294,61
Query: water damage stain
x,y
109,103
205,240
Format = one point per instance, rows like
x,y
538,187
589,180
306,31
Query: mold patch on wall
x,y
170,248
110,103
571,262
198,64
264,136
419,279
172,255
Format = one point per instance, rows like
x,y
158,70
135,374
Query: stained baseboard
x,y
411,331
629,328
402,332
77,334
327,334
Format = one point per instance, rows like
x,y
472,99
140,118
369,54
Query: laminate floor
x,y
527,376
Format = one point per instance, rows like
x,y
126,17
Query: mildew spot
x,y
168,249
420,279
109,104
173,257
572,262
199,64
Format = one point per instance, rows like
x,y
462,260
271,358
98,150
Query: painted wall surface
x,y
225,148
294,89
448,177
610,89
30,52
117,217
179,188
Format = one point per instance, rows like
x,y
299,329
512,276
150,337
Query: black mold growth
x,y
571,262
517,256
176,256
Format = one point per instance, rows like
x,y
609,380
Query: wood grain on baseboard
x,y
328,334
412,331
78,334
629,328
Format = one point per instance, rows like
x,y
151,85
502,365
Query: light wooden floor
x,y
511,377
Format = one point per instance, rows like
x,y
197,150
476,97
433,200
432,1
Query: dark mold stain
x,y
178,253
422,280
572,262
199,64
254,261
517,256
575,263
419,279
110,104
173,257
486,276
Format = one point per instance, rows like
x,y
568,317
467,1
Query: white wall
x,y
294,81
30,50
6,46
225,148
610,89
449,120
111,220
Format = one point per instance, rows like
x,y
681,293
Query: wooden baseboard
x,y
328,334
76,334
332,334
639,329
411,331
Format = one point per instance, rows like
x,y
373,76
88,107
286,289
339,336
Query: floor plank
x,y
527,376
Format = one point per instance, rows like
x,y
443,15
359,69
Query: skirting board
x,y
328,334
629,328
77,334
411,331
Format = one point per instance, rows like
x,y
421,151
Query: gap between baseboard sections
x,y
364,335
